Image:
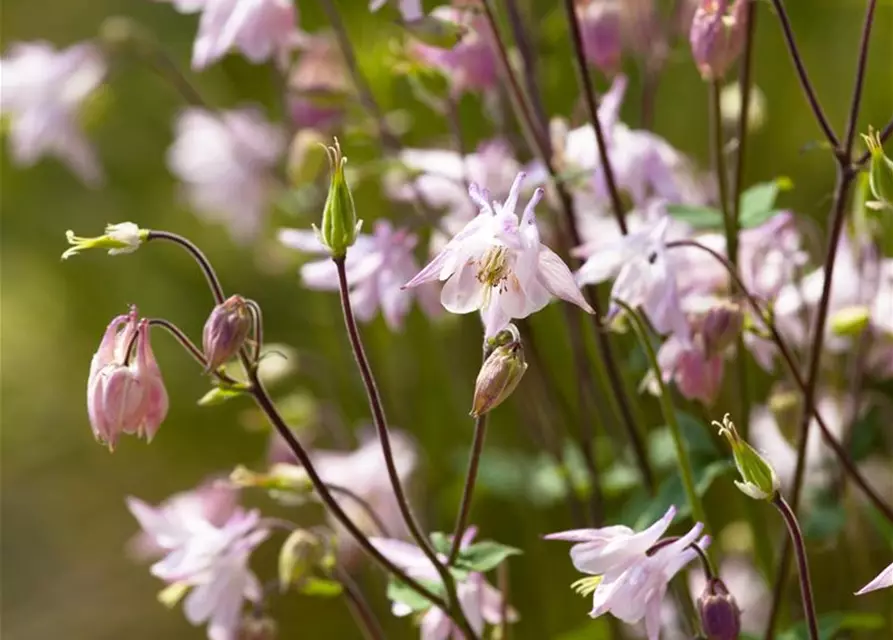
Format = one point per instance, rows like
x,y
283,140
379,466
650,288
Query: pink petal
x,y
884,580
557,278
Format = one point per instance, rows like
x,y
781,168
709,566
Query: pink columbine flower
x,y
498,265
697,375
259,29
377,266
226,163
125,391
717,36
208,560
42,91
601,31
318,83
629,583
884,580
481,602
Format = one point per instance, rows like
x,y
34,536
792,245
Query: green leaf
x,y
441,542
698,217
671,492
758,202
399,591
320,587
831,624
219,395
485,555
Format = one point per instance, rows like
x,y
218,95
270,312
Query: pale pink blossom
x,y
226,161
260,29
697,375
601,31
498,265
318,83
883,580
717,36
377,266
42,91
125,390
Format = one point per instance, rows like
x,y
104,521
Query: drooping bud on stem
x,y
721,326
600,29
719,613
758,478
339,217
225,331
302,554
717,36
499,375
124,237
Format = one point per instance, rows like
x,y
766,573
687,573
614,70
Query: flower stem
x,y
666,402
360,608
190,347
790,520
477,448
364,505
528,53
381,427
199,257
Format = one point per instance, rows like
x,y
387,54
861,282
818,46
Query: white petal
x,y
559,280
463,293
883,580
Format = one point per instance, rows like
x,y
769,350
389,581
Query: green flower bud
x,y
498,377
758,478
850,321
339,217
880,174
124,237
302,554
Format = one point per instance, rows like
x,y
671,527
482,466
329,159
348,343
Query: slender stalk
x,y
168,69
190,347
477,448
802,75
790,520
381,427
730,223
528,58
666,402
861,65
200,259
364,505
589,95
359,608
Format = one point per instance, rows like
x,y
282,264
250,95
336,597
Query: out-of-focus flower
x,y
209,559
124,237
125,391
259,29
601,27
627,581
697,375
225,331
498,265
770,255
41,92
480,602
719,613
883,580
410,10
730,104
226,163
377,266
318,83
720,326
717,36
470,64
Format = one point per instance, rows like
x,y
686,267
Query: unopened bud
x,y
850,321
498,377
339,217
717,36
720,616
721,326
600,29
280,477
758,478
301,554
124,237
255,627
225,331
880,173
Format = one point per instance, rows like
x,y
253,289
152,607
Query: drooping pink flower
x,y
498,265
318,83
260,29
41,92
377,265
883,580
226,163
697,375
125,391
601,31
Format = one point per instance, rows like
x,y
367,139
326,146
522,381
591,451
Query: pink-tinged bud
x,y
601,29
721,326
720,616
125,391
697,376
498,377
225,331
717,36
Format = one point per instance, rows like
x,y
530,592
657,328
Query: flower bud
x,y
301,554
225,331
600,29
850,321
759,480
698,377
721,326
717,36
720,616
339,217
880,174
124,237
498,377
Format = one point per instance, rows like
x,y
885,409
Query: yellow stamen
x,y
585,586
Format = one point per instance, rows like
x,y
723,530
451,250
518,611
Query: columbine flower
x,y
318,83
377,266
884,580
697,375
125,391
260,29
717,36
629,582
41,91
209,559
645,278
481,602
600,26
498,265
226,161
121,238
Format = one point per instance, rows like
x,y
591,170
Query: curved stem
x,y
528,58
709,571
861,65
802,76
477,448
190,347
258,328
364,505
381,427
199,257
360,608
666,402
790,520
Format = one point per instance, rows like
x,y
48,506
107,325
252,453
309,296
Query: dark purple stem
x,y
796,536
199,257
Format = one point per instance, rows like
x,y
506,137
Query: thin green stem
x,y
474,459
359,608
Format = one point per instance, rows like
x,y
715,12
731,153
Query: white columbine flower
x,y
498,265
42,91
884,580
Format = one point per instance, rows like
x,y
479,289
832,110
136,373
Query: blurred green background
x,y
64,570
